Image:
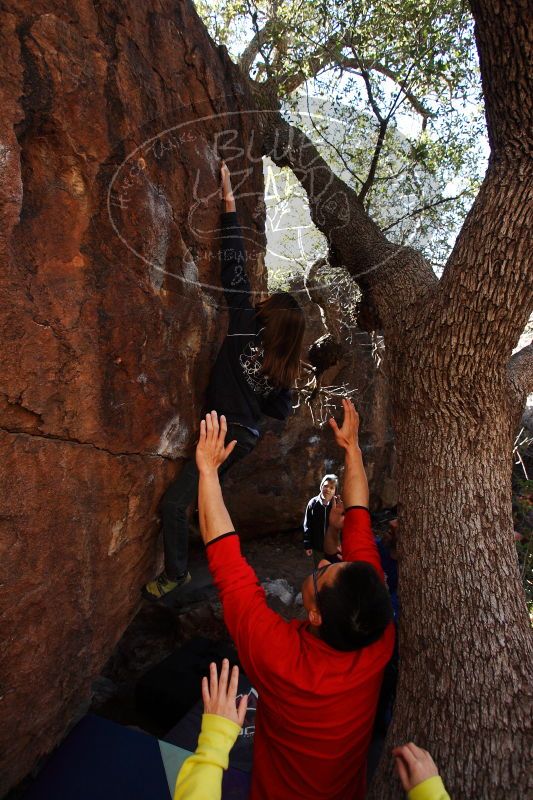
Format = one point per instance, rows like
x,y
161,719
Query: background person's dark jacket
x,y
237,387
315,523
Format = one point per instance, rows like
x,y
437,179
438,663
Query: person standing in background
x,y
316,519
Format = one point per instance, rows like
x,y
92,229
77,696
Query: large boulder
x,y
113,120
110,321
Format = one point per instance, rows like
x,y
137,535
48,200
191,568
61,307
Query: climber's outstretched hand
x,y
225,180
226,189
211,450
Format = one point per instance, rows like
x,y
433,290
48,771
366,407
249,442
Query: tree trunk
x,y
465,642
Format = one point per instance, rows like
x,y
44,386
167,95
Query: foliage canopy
x,y
401,80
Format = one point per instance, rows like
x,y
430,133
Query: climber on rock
x,y
255,370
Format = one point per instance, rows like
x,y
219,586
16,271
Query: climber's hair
x,y
284,327
355,609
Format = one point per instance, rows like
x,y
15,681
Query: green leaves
x,y
408,67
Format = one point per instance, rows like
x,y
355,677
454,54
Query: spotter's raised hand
x,y
347,435
211,450
413,765
220,697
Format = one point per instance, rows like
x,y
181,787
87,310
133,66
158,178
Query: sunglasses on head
x,y
317,572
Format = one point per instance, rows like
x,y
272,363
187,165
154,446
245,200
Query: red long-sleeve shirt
x,y
316,705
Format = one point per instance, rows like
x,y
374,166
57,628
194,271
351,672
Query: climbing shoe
x,y
162,585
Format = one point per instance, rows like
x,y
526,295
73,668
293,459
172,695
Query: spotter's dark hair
x,y
355,609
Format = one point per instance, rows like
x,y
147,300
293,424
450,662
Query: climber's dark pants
x,y
181,493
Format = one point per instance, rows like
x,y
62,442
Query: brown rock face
x,y
113,120
110,320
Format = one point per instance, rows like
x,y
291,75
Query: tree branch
x,y
395,278
489,273
375,108
375,158
520,373
333,204
356,65
353,65
505,47
338,152
255,45
423,208
327,56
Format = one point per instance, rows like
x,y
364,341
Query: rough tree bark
x,y
465,642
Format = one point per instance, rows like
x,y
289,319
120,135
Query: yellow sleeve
x,y
200,775
432,789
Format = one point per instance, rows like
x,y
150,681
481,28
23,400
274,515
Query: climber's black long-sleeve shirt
x,y
237,387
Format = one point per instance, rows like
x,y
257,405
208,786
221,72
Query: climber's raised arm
x,y
233,258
